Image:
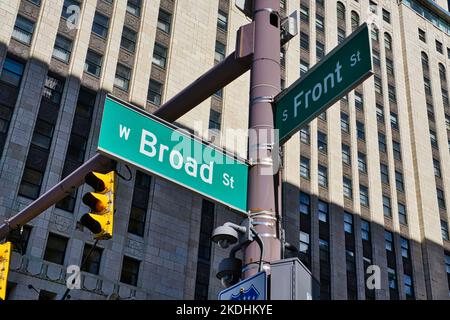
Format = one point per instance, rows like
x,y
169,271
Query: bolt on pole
x,y
264,86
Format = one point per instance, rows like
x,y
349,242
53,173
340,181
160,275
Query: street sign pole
x,y
264,85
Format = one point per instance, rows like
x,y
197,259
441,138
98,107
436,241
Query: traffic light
x,y
5,257
101,202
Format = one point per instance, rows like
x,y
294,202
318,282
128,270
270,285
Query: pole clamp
x,y
263,161
262,99
270,10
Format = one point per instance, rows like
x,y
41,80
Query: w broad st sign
x,y
334,76
132,135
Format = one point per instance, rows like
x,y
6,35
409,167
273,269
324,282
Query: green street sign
x,y
132,135
334,76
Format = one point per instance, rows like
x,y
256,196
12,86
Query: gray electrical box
x,y
291,280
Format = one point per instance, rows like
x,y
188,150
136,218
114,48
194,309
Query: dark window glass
x,y
130,271
55,250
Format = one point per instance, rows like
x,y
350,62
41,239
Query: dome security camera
x,y
224,236
230,270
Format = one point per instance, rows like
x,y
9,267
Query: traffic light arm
x,y
57,193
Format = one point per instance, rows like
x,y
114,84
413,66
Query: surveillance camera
x,y
224,236
230,270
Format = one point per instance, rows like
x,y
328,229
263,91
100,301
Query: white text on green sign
x,y
133,136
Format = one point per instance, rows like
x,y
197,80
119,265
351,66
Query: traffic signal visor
x,y
101,202
5,257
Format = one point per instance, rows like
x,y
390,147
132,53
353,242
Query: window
x,y
439,47
444,230
355,20
92,264
67,10
305,135
304,168
441,198
341,35
323,176
387,41
389,67
399,181
405,248
409,288
304,247
222,20
402,215
341,11
361,133
427,86
130,271
365,230
12,72
62,49
204,251
322,208
345,122
320,50
304,41
305,204
364,195
422,35
376,58
322,142
348,190
304,67
55,251
346,154
382,142
100,25
375,34
359,101
134,7
348,223
323,116
380,113
392,276
220,51
362,162
123,76
392,93
373,7
397,150
93,63
394,121
389,241
139,204
437,168
378,85
215,120
160,56
128,40
320,23
433,139
154,92
304,13
386,16
164,21
387,210
23,30
31,183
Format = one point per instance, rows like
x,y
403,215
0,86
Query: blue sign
x,y
253,288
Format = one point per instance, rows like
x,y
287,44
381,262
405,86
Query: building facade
x,y
365,184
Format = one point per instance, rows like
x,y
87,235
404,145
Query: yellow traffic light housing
x,y
5,257
101,202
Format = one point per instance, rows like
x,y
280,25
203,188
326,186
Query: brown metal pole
x,y
265,84
201,89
